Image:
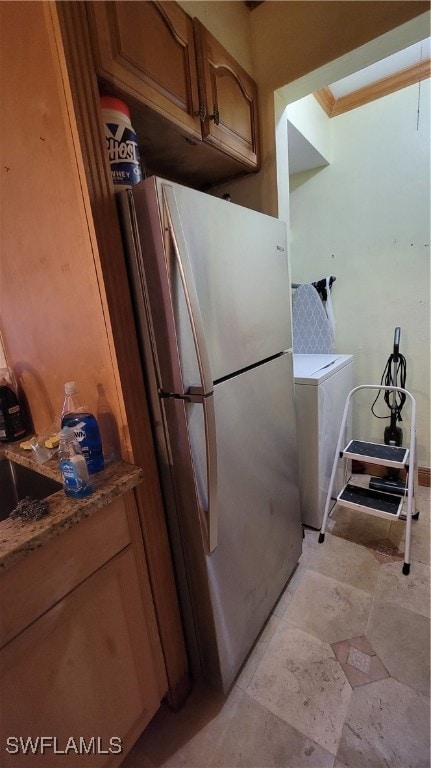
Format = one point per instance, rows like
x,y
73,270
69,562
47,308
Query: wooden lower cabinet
x,y
82,675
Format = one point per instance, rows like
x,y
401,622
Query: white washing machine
x,y
322,383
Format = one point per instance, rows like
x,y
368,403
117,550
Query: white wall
x,y
366,219
312,122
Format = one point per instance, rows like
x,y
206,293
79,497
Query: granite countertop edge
x,y
18,538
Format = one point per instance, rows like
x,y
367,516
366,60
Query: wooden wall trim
x,y
383,87
424,476
326,100
81,72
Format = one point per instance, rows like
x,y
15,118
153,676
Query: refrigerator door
x,y
159,351
228,278
259,529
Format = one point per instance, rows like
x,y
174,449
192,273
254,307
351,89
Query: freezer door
x,y
258,511
228,275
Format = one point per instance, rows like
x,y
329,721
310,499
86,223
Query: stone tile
x,y
401,638
310,546
329,609
256,738
359,661
295,579
300,681
187,738
423,504
357,527
282,603
347,562
136,759
411,592
362,644
341,650
420,540
356,677
387,725
385,551
252,663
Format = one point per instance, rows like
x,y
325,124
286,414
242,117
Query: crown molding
x,y
383,87
326,99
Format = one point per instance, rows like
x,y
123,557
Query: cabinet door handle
x,y
202,113
215,116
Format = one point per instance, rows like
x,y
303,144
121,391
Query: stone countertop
x,y
18,538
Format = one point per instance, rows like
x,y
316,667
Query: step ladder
x,y
375,502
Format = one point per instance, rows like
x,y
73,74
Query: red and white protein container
x,y
121,143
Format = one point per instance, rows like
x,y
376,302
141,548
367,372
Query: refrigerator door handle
x,y
210,521
189,288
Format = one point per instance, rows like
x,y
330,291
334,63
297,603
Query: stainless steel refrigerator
x,y
210,284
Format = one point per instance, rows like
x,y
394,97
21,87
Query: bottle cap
x,y
109,102
70,388
67,433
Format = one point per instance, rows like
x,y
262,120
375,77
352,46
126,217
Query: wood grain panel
x,y
84,669
170,72
53,317
58,567
229,98
147,50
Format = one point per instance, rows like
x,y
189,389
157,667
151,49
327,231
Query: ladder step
x,y
376,503
377,453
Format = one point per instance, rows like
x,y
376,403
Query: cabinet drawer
x,y
41,579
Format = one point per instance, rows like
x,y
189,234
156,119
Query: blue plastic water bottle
x,y
85,427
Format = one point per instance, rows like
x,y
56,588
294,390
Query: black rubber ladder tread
x,y
370,500
378,453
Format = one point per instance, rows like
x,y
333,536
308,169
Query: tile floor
x,y
339,677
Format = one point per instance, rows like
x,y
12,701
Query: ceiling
x,y
403,68
396,71
396,63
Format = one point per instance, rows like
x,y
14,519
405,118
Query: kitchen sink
x,y
17,482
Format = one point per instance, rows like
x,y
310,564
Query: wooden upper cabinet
x,y
228,100
147,50
192,105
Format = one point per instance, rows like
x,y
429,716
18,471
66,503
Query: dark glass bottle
x,y
11,420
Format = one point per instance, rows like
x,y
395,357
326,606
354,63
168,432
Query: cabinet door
x,y
84,669
229,99
147,49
